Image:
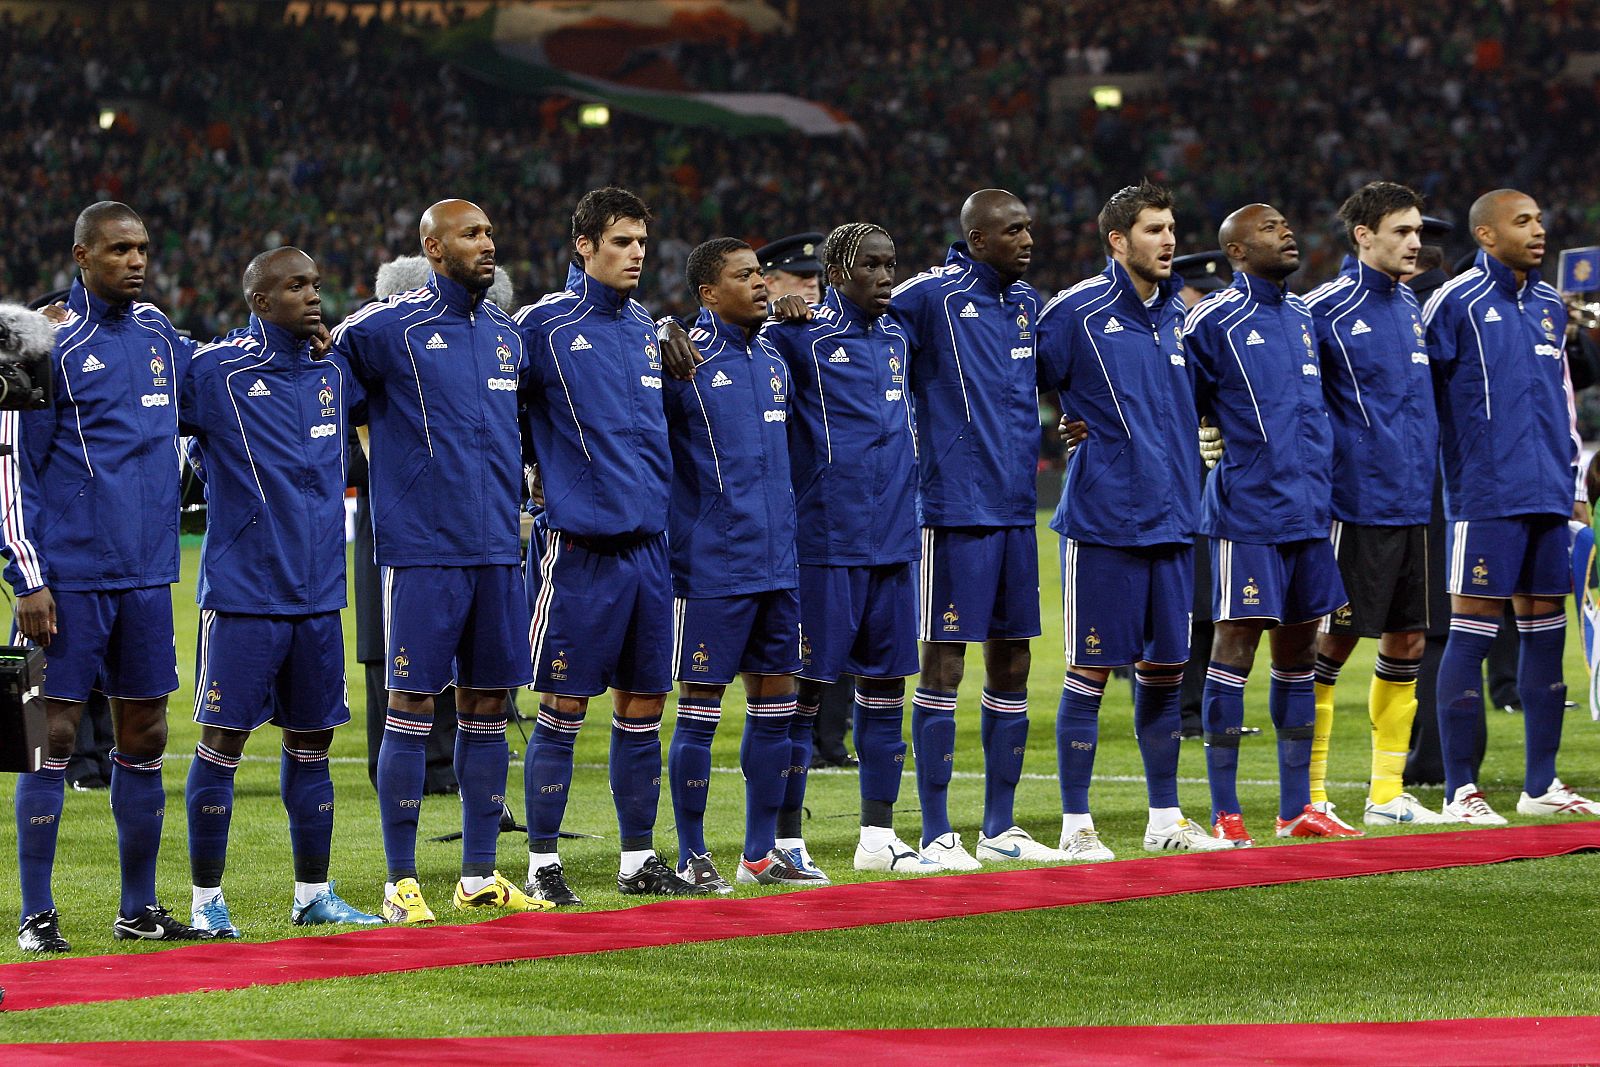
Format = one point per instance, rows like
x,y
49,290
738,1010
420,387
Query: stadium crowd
x,y
797,491
945,94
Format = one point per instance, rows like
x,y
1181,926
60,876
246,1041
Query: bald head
x,y
1509,226
1488,207
998,230
982,207
1257,240
267,271
1237,225
446,216
458,242
282,286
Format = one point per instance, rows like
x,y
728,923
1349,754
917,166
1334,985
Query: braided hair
x,y
844,244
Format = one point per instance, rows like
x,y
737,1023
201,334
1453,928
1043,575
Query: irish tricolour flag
x,y
618,53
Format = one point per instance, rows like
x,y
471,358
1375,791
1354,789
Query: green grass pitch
x,y
1507,940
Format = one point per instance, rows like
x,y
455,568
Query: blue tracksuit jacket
x,y
1257,375
852,442
441,368
1505,399
1120,366
731,529
975,392
594,411
90,497
269,427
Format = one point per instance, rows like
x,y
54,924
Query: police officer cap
x,y
1205,271
797,254
1435,227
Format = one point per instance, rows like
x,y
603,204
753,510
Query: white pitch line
x,y
973,776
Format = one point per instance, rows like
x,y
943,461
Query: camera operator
x,y
94,479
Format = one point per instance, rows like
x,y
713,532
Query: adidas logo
x,y
1491,315
1359,328
969,312
839,356
259,389
579,344
436,342
1113,326
92,363
721,380
1254,339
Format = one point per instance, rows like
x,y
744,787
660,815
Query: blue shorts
x,y
1291,583
1527,555
979,582
287,670
119,642
858,620
455,624
716,638
602,615
1123,605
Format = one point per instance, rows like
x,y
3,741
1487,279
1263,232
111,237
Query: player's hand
x,y
36,616
535,485
56,313
678,354
321,341
1580,512
790,308
1073,432
1210,444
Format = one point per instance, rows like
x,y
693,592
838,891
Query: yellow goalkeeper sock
x,y
1393,705
1321,734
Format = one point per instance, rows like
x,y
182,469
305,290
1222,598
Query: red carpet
x,y
1442,1042
235,965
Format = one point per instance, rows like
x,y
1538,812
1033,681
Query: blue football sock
x,y
1077,734
39,800
802,735
880,745
689,769
1003,725
1461,719
1158,722
402,769
763,756
482,760
1222,716
138,805
1292,703
933,743
636,779
208,799
547,775
1540,641
307,791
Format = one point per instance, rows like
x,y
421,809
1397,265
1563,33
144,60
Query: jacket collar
x,y
1259,289
723,331
960,255
596,294
1128,295
277,339
91,307
1368,277
847,312
456,296
1502,274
